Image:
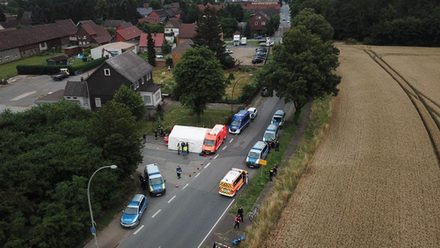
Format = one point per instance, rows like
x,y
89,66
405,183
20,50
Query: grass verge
x,y
289,175
9,70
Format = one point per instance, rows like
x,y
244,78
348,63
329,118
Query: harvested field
x,y
375,179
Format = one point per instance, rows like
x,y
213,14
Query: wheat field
x,y
374,180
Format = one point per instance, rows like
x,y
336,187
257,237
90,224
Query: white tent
x,y
193,135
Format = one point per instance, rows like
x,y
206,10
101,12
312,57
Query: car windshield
x,y
277,119
130,210
269,136
235,122
254,154
155,181
208,142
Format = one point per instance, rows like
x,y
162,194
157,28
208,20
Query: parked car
x,y
261,48
64,73
132,214
253,112
259,37
257,60
258,152
260,54
278,117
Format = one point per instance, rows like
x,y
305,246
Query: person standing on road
x,y
237,221
184,149
145,138
178,148
240,213
155,134
187,148
179,171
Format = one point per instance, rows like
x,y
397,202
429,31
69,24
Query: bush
x,y
40,69
249,91
85,67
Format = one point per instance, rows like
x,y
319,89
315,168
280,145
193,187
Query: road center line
x,y
140,228
186,185
231,140
224,148
216,156
172,198
23,95
207,165
212,228
198,174
157,212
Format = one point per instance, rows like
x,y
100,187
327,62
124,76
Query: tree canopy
x,y
209,33
316,23
199,79
302,67
399,22
150,50
132,100
47,155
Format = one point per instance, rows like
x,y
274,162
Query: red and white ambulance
x,y
214,138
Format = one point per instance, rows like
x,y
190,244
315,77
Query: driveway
x,y
243,54
23,90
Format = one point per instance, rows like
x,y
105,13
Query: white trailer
x,y
193,135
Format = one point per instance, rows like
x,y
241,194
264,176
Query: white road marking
x,y
212,228
231,140
172,198
157,212
23,95
197,174
140,228
207,165
224,148
216,156
186,185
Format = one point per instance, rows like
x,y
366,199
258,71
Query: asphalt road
x,y
187,213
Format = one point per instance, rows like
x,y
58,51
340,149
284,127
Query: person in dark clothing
x,y
277,145
155,134
145,138
187,148
275,170
178,148
270,174
237,221
179,171
142,181
240,213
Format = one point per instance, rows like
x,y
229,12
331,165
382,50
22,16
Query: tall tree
x,y
209,33
151,53
302,67
199,79
132,100
316,23
2,15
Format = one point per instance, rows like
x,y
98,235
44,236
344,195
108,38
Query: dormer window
x,y
106,72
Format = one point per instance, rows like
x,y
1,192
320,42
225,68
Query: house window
x,y
263,23
157,96
259,17
147,100
97,102
148,76
84,37
106,72
256,23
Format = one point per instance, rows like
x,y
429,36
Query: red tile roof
x,y
187,30
98,33
129,33
14,38
157,37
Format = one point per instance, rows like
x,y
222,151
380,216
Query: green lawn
x,y
9,70
175,114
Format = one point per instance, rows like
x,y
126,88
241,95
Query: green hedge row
x,y
53,69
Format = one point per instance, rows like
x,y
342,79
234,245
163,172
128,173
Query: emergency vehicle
x,y
232,182
214,138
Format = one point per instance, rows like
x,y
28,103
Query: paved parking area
x,y
244,54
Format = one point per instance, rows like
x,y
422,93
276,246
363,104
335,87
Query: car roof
x,y
272,127
279,112
242,112
231,175
152,169
259,145
136,198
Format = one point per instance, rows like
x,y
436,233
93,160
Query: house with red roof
x,y
258,21
158,39
187,31
128,34
90,34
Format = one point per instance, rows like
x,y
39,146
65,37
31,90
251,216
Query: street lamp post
x,y
93,228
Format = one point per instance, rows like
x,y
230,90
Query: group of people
x,y
274,144
159,131
182,147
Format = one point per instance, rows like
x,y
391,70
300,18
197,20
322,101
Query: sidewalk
x,y
224,232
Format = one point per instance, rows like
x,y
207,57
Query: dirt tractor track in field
x,y
428,109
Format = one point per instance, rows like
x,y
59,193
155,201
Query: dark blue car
x,y
132,214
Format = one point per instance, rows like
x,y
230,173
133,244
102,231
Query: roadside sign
x,y
262,162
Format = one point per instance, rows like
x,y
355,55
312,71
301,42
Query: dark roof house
x,y
124,69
